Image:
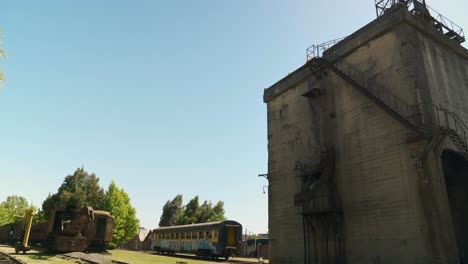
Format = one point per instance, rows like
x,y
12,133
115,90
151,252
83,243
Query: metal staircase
x,y
451,125
445,123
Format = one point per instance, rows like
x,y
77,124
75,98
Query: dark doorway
x,y
101,228
456,179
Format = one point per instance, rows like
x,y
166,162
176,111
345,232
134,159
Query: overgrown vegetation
x,y
77,190
118,204
83,189
12,209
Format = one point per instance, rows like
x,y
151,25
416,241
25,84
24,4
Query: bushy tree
x,y
126,224
39,216
217,213
176,214
205,212
172,212
12,209
77,190
191,212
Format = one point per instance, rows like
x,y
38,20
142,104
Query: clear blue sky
x,y
162,97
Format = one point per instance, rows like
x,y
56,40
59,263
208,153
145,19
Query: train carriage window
x,y
208,235
177,235
171,236
194,236
201,235
215,234
182,235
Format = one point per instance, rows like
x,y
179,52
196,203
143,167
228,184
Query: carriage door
x,y
231,236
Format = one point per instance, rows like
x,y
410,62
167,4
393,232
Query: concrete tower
x,y
367,146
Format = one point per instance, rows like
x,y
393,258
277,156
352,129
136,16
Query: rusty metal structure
x,y
321,209
67,230
27,222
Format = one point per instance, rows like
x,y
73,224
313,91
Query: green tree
x,y
39,216
77,190
118,204
217,214
172,212
206,210
12,209
191,212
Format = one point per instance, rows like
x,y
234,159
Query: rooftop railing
x,y
421,10
318,49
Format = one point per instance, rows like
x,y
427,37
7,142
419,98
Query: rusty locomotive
x,y
67,230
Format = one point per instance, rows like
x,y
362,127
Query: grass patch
x,y
143,258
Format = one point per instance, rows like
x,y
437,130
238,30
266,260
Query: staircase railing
x,y
451,124
379,92
411,116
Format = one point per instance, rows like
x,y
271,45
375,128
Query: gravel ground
x,y
94,258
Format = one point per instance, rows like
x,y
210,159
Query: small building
x,y
146,245
136,243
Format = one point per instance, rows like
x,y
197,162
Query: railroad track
x,y
5,259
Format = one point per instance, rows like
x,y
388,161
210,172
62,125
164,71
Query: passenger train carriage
x,y
215,239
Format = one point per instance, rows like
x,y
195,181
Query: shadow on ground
x,y
220,260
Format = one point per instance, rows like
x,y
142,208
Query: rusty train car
x,y
215,239
67,230
11,233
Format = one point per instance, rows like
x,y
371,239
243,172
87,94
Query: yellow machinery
x,y
27,221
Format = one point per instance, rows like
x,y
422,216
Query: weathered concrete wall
x,y
291,137
393,210
376,175
444,71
